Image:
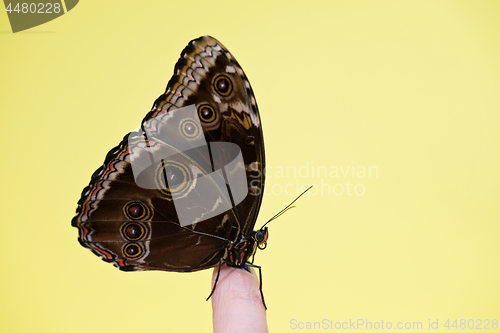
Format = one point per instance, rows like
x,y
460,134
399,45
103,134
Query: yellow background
x,y
411,87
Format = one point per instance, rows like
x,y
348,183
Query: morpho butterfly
x,y
182,192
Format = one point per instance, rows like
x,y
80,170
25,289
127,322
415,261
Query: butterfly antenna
x,y
280,213
287,207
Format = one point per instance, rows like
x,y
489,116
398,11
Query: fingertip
x,y
236,302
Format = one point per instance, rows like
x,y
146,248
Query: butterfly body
x,y
238,255
182,192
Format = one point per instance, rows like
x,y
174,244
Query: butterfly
x,y
182,192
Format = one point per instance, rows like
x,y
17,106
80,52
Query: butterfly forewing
x,y
182,211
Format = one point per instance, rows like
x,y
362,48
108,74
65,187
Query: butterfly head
x,y
260,237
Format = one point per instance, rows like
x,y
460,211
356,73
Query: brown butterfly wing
x,y
138,228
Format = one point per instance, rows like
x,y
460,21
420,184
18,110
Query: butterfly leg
x,y
216,280
253,258
247,267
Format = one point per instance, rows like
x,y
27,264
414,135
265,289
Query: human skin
x,y
236,303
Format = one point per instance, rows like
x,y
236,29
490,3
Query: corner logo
x,y
28,14
202,179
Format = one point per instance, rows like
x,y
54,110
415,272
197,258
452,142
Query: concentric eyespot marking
x,y
223,85
207,113
189,128
132,250
171,177
133,231
136,210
